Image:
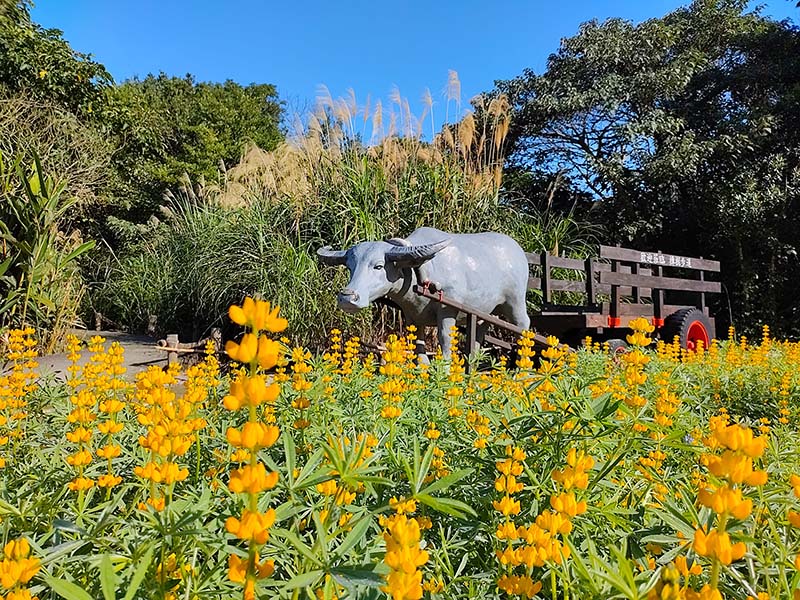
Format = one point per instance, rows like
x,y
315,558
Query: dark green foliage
x,y
40,63
114,150
155,130
686,128
201,257
169,127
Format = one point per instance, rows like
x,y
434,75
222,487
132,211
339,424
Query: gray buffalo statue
x,y
486,271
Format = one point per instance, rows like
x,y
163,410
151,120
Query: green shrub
x,y
40,283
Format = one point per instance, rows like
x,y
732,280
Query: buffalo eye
x,y
378,267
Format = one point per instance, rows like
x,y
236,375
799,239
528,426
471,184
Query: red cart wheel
x,y
691,325
617,346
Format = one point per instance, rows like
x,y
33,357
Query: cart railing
x,y
620,274
657,262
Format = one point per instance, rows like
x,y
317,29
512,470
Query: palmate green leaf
x,y
108,578
417,470
448,506
607,468
302,580
67,589
623,569
139,571
350,577
322,540
354,536
446,481
55,553
287,510
309,475
298,545
580,566
677,520
600,408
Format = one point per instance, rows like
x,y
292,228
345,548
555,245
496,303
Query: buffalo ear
x,y
414,256
328,256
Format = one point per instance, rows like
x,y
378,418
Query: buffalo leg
x,y
447,320
483,328
422,356
519,315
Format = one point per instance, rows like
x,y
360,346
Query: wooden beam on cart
x,y
660,283
472,313
658,258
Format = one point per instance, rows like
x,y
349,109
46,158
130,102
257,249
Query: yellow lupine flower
x,y
506,506
717,545
794,518
519,585
17,568
726,500
403,557
245,351
250,391
253,525
258,316
253,436
566,504
252,479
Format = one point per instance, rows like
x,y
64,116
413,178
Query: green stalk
x,y
197,465
715,567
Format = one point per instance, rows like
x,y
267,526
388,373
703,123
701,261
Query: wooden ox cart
x,y
614,288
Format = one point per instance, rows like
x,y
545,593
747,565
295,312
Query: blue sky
x,y
369,46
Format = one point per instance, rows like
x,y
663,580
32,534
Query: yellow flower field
x,y
652,474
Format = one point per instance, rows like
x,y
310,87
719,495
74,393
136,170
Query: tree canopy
x,y
41,64
126,143
686,132
171,126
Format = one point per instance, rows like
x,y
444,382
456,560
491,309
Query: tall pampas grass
x,y
333,182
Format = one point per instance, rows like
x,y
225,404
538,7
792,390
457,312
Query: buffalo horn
x,y
415,255
331,257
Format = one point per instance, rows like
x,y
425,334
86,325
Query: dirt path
x,y
140,353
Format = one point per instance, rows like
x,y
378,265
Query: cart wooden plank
x,y
659,283
495,341
657,258
579,285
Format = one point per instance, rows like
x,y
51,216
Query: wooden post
x,y
590,284
614,308
472,343
216,337
547,294
702,277
98,321
635,289
172,342
658,297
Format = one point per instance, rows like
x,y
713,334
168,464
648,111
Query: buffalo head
x,y
376,268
